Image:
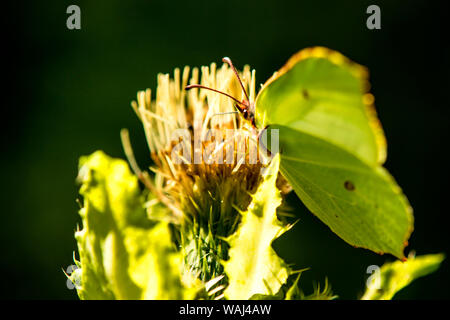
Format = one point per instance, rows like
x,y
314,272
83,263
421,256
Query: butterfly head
x,y
245,107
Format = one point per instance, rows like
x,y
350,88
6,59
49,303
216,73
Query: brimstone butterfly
x,y
333,147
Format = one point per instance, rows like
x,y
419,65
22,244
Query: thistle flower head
x,y
202,148
206,156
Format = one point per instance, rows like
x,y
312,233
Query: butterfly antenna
x,y
228,61
223,113
192,86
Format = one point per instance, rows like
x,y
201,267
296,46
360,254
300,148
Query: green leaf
x,y
332,148
397,275
254,268
123,254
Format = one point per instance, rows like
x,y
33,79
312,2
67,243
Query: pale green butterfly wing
x,y
321,92
360,203
332,148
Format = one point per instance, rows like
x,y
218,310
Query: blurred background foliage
x,y
70,90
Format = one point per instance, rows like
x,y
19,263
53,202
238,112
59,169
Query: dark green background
x,y
69,94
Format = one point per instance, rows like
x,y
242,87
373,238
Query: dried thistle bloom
x,y
207,160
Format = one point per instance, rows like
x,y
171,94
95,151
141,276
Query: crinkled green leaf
x,y
397,275
254,267
123,254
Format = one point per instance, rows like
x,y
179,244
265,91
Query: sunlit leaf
x,y
254,267
397,275
123,255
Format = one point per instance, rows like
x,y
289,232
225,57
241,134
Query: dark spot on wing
x,y
349,185
305,94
